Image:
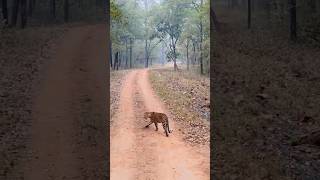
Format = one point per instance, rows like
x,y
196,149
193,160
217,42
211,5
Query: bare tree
x,y
187,47
5,11
131,46
15,11
249,14
66,10
31,4
53,9
293,20
23,13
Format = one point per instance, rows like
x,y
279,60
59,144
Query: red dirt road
x,y
143,153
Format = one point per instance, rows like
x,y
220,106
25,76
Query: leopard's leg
x,y
168,127
164,125
148,124
156,124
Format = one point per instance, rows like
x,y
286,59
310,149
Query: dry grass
x,y
116,79
187,97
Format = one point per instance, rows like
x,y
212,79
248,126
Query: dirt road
x,y
68,128
143,153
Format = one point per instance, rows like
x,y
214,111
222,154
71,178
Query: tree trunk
x,y
120,58
117,61
162,54
110,45
313,5
5,11
249,14
200,45
146,55
214,19
15,11
194,53
187,55
268,9
23,13
201,58
66,10
127,53
30,7
131,44
293,20
175,66
53,9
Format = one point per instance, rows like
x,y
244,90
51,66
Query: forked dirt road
x,y
143,153
68,132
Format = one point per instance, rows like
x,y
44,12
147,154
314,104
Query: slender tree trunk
x,y
117,60
66,10
268,9
146,55
110,45
201,39
23,13
53,9
187,55
249,14
127,53
174,57
131,44
293,20
214,19
313,5
120,58
194,53
201,58
30,7
162,54
146,31
106,9
5,11
15,11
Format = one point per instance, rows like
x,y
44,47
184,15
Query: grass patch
x,y
185,99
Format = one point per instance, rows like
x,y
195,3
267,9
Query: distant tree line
x,y
148,31
300,18
20,13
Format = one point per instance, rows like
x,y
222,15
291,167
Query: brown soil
x,y
68,125
143,153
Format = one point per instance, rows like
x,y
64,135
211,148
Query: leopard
x,y
156,117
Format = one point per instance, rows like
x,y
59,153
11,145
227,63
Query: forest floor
x,y
187,96
266,105
53,120
143,153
